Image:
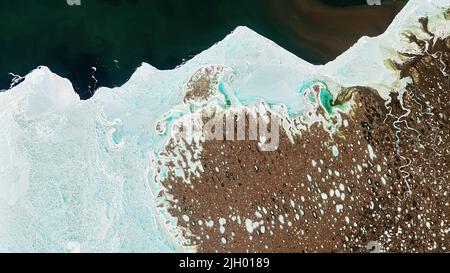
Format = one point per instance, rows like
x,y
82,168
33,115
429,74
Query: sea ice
x,y
77,176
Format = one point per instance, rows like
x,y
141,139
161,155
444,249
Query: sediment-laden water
x,y
359,158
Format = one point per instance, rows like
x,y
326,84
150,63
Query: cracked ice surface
x,y
77,175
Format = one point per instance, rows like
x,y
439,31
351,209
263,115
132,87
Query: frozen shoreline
x,y
76,175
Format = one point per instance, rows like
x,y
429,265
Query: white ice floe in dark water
x,y
77,176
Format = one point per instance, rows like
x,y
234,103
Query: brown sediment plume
x,y
383,177
327,31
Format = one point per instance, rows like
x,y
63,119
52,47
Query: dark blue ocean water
x,y
116,36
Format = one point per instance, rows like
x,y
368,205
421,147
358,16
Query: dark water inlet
x,y
116,36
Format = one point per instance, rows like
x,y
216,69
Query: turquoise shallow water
x,y
83,171
78,175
